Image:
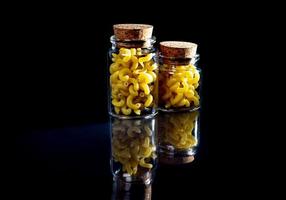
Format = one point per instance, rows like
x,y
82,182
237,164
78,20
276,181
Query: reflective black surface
x,y
76,159
61,145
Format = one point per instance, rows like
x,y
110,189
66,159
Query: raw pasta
x,y
132,145
133,77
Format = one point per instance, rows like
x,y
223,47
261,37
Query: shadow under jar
x,y
133,150
179,77
133,72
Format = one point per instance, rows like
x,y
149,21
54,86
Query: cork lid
x,y
178,49
133,31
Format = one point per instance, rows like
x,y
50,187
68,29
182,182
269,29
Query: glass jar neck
x,y
178,60
146,44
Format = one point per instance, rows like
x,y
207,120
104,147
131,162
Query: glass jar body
x,y
133,79
179,84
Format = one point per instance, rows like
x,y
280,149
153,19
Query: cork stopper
x,y
139,32
178,49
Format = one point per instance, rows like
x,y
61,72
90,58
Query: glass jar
x,y
178,136
179,77
133,149
133,71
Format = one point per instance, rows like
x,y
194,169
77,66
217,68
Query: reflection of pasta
x,y
177,130
132,145
132,80
178,86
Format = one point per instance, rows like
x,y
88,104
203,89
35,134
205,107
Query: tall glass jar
x,y
133,149
133,71
179,77
178,136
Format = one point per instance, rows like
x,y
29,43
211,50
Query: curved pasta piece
x,y
130,103
133,129
124,52
123,74
146,165
134,63
145,78
177,98
153,74
124,93
146,142
133,91
174,87
145,88
146,58
114,77
119,103
113,68
119,86
148,101
195,100
151,66
189,94
133,51
147,130
171,81
137,112
126,111
138,51
135,83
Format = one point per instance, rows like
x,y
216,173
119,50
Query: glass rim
x,y
113,40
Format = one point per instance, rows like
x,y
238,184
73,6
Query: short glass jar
x,y
179,77
133,72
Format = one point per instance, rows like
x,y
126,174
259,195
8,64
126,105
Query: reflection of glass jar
x,y
124,190
133,70
178,135
133,149
179,78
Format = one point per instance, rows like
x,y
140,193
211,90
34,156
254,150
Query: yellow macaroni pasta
x,y
178,130
177,86
133,77
132,145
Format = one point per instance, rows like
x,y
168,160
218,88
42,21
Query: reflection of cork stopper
x,y
133,31
143,175
178,49
175,160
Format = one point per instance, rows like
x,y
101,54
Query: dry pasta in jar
x,y
133,72
179,77
133,149
178,133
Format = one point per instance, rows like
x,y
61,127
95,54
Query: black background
x,y
63,58
61,74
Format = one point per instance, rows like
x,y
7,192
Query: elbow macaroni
x,y
132,145
178,87
133,75
178,130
